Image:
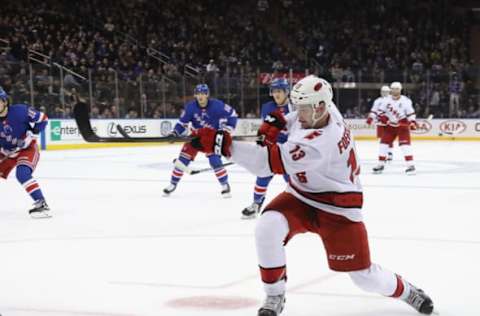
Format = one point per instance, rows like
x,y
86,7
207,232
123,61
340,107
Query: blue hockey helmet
x,y
202,88
3,95
281,84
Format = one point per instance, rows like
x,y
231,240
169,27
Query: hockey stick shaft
x,y
176,138
81,114
180,165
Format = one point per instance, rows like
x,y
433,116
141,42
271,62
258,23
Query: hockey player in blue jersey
x,y
18,148
279,89
203,112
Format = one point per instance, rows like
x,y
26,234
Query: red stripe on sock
x,y
177,174
400,287
273,275
260,189
221,174
32,187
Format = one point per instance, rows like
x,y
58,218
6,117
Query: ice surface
x,y
115,246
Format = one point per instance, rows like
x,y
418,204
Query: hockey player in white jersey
x,y
324,196
374,114
398,115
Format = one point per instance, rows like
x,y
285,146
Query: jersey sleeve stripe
x,y
275,160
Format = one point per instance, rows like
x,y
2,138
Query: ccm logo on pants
x,y
341,257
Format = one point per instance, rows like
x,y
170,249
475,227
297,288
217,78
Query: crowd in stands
x,y
137,53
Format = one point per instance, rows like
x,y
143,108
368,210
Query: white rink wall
x,y
64,134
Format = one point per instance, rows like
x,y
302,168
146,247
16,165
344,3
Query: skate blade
x,y
40,215
411,173
247,217
226,195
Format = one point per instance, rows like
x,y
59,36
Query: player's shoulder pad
x,y
190,105
216,102
269,105
19,108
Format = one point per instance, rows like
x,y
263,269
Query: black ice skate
x,y
226,191
251,211
410,171
378,169
40,210
419,300
168,190
272,306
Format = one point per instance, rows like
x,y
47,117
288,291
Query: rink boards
x,y
64,134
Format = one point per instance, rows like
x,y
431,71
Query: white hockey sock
x,y
376,279
383,152
270,232
407,153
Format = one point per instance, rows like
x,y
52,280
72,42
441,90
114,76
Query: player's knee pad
x,y
23,173
272,227
215,161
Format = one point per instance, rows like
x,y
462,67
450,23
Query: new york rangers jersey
x,y
270,107
322,164
216,114
16,128
397,110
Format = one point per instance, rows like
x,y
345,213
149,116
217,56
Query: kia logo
x,y
453,126
423,127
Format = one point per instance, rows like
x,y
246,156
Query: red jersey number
x,y
297,153
301,176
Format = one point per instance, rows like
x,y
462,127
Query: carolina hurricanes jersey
x,y
374,111
322,164
397,109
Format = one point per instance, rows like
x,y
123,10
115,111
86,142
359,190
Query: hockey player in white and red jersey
x,y
373,117
324,195
397,113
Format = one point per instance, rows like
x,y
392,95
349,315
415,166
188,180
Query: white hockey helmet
x,y
311,90
396,85
384,91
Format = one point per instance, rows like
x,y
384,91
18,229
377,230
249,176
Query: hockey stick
x,y
180,165
81,114
178,138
